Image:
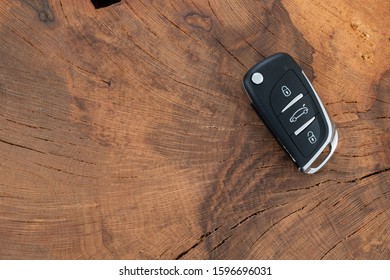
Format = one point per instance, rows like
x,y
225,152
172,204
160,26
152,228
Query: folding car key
x,y
286,101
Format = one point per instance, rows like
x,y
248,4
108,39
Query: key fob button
x,y
257,78
311,137
298,114
286,89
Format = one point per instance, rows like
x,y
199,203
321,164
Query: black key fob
x,y
286,101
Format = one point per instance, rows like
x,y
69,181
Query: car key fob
x,y
286,101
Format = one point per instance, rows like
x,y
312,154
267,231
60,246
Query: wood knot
x,y
42,8
199,21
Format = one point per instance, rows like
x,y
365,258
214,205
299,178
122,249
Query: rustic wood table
x,y
125,132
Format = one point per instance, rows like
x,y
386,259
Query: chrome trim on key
x,y
332,139
299,130
299,96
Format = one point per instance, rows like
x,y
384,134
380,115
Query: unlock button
x,y
311,137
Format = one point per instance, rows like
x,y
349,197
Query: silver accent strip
x,y
299,130
299,96
332,139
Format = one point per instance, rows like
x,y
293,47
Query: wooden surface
x,y
125,132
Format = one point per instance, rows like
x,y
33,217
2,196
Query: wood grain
x,y
125,132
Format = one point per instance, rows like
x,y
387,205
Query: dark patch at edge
x,y
42,7
381,89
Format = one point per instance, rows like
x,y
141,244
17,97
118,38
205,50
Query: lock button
x,y
311,137
285,91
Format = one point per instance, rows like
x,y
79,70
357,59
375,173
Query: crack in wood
x,y
43,139
62,9
200,240
21,146
148,54
252,47
256,214
216,16
108,83
319,203
356,180
221,243
231,54
27,41
274,224
64,171
375,199
367,176
28,125
142,18
171,22
376,98
347,193
358,156
72,158
306,188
